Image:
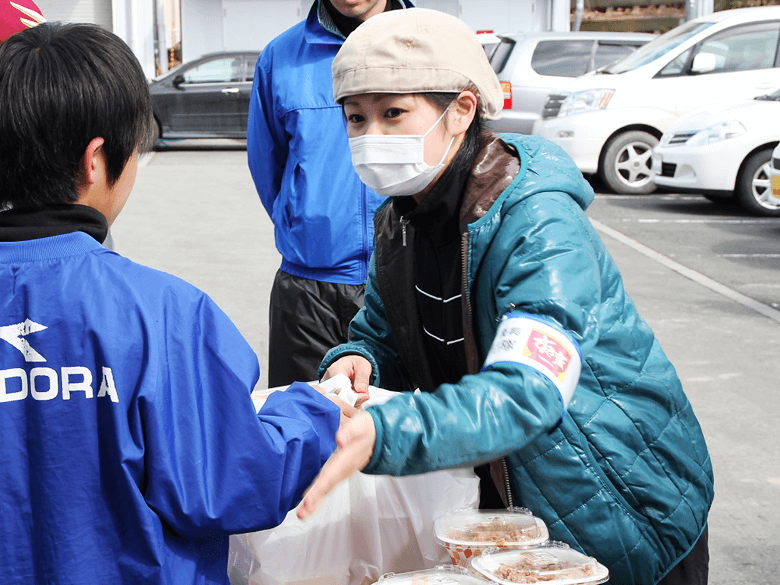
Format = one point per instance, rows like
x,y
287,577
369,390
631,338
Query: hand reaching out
x,y
347,410
356,440
357,369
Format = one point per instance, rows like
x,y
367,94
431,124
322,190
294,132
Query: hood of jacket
x,y
543,167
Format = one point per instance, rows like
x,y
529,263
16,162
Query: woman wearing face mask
x,y
490,291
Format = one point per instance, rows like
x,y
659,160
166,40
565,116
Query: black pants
x,y
694,568
306,319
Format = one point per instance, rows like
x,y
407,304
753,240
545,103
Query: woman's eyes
x,y
389,113
393,112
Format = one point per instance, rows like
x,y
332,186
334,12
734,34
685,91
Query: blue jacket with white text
x,y
130,445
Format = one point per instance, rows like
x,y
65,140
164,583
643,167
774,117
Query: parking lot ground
x,y
194,213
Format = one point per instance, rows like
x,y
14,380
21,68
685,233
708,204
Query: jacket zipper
x,y
404,223
509,499
467,300
472,367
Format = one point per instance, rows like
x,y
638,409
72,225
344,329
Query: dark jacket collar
x,y
54,220
342,26
495,167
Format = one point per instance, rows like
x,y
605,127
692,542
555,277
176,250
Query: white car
x,y
723,152
532,65
610,120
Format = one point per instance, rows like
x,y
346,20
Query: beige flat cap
x,y
415,50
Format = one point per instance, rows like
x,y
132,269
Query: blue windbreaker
x,y
300,159
130,447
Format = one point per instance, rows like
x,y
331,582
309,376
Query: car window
x,y
170,72
224,70
608,53
489,49
677,65
501,54
489,42
743,50
562,58
658,47
249,68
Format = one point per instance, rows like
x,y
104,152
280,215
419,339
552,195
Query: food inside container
x,y
553,563
467,533
441,575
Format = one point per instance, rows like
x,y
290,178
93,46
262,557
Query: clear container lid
x,y
553,563
514,527
441,575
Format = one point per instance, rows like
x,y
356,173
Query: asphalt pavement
x,y
194,213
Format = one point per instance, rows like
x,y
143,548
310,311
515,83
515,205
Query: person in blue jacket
x,y
322,214
130,445
491,292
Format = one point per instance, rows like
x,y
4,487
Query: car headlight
x,y
717,132
585,101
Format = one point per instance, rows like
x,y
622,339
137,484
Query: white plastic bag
x,y
369,525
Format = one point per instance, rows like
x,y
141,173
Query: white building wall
x,y
95,11
201,28
501,16
447,6
252,24
222,25
133,21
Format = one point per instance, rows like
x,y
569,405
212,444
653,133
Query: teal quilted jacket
x,y
623,474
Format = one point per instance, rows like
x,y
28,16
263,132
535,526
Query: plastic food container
x,y
441,575
554,563
467,533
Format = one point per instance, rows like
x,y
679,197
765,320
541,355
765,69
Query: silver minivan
x,y
531,66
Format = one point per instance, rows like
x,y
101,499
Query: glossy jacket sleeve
x,y
213,465
541,262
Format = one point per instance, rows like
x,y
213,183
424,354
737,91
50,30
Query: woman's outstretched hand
x,y
355,440
357,369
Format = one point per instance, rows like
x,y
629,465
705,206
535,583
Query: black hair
x,y
61,86
472,140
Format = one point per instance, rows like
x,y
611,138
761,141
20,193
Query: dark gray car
x,y
531,66
205,98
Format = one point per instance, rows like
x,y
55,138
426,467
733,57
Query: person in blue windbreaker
x,y
129,445
490,291
322,214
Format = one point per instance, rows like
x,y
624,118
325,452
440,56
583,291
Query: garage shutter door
x,y
95,11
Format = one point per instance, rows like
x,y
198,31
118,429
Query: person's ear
x,y
92,164
462,112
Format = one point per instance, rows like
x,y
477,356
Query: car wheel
x,y
158,141
626,164
754,185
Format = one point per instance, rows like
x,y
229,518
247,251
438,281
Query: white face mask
x,y
395,164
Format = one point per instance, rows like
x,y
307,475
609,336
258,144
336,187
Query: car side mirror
x,y
178,80
703,63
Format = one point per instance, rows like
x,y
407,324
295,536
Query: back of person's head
x,y
416,50
62,85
